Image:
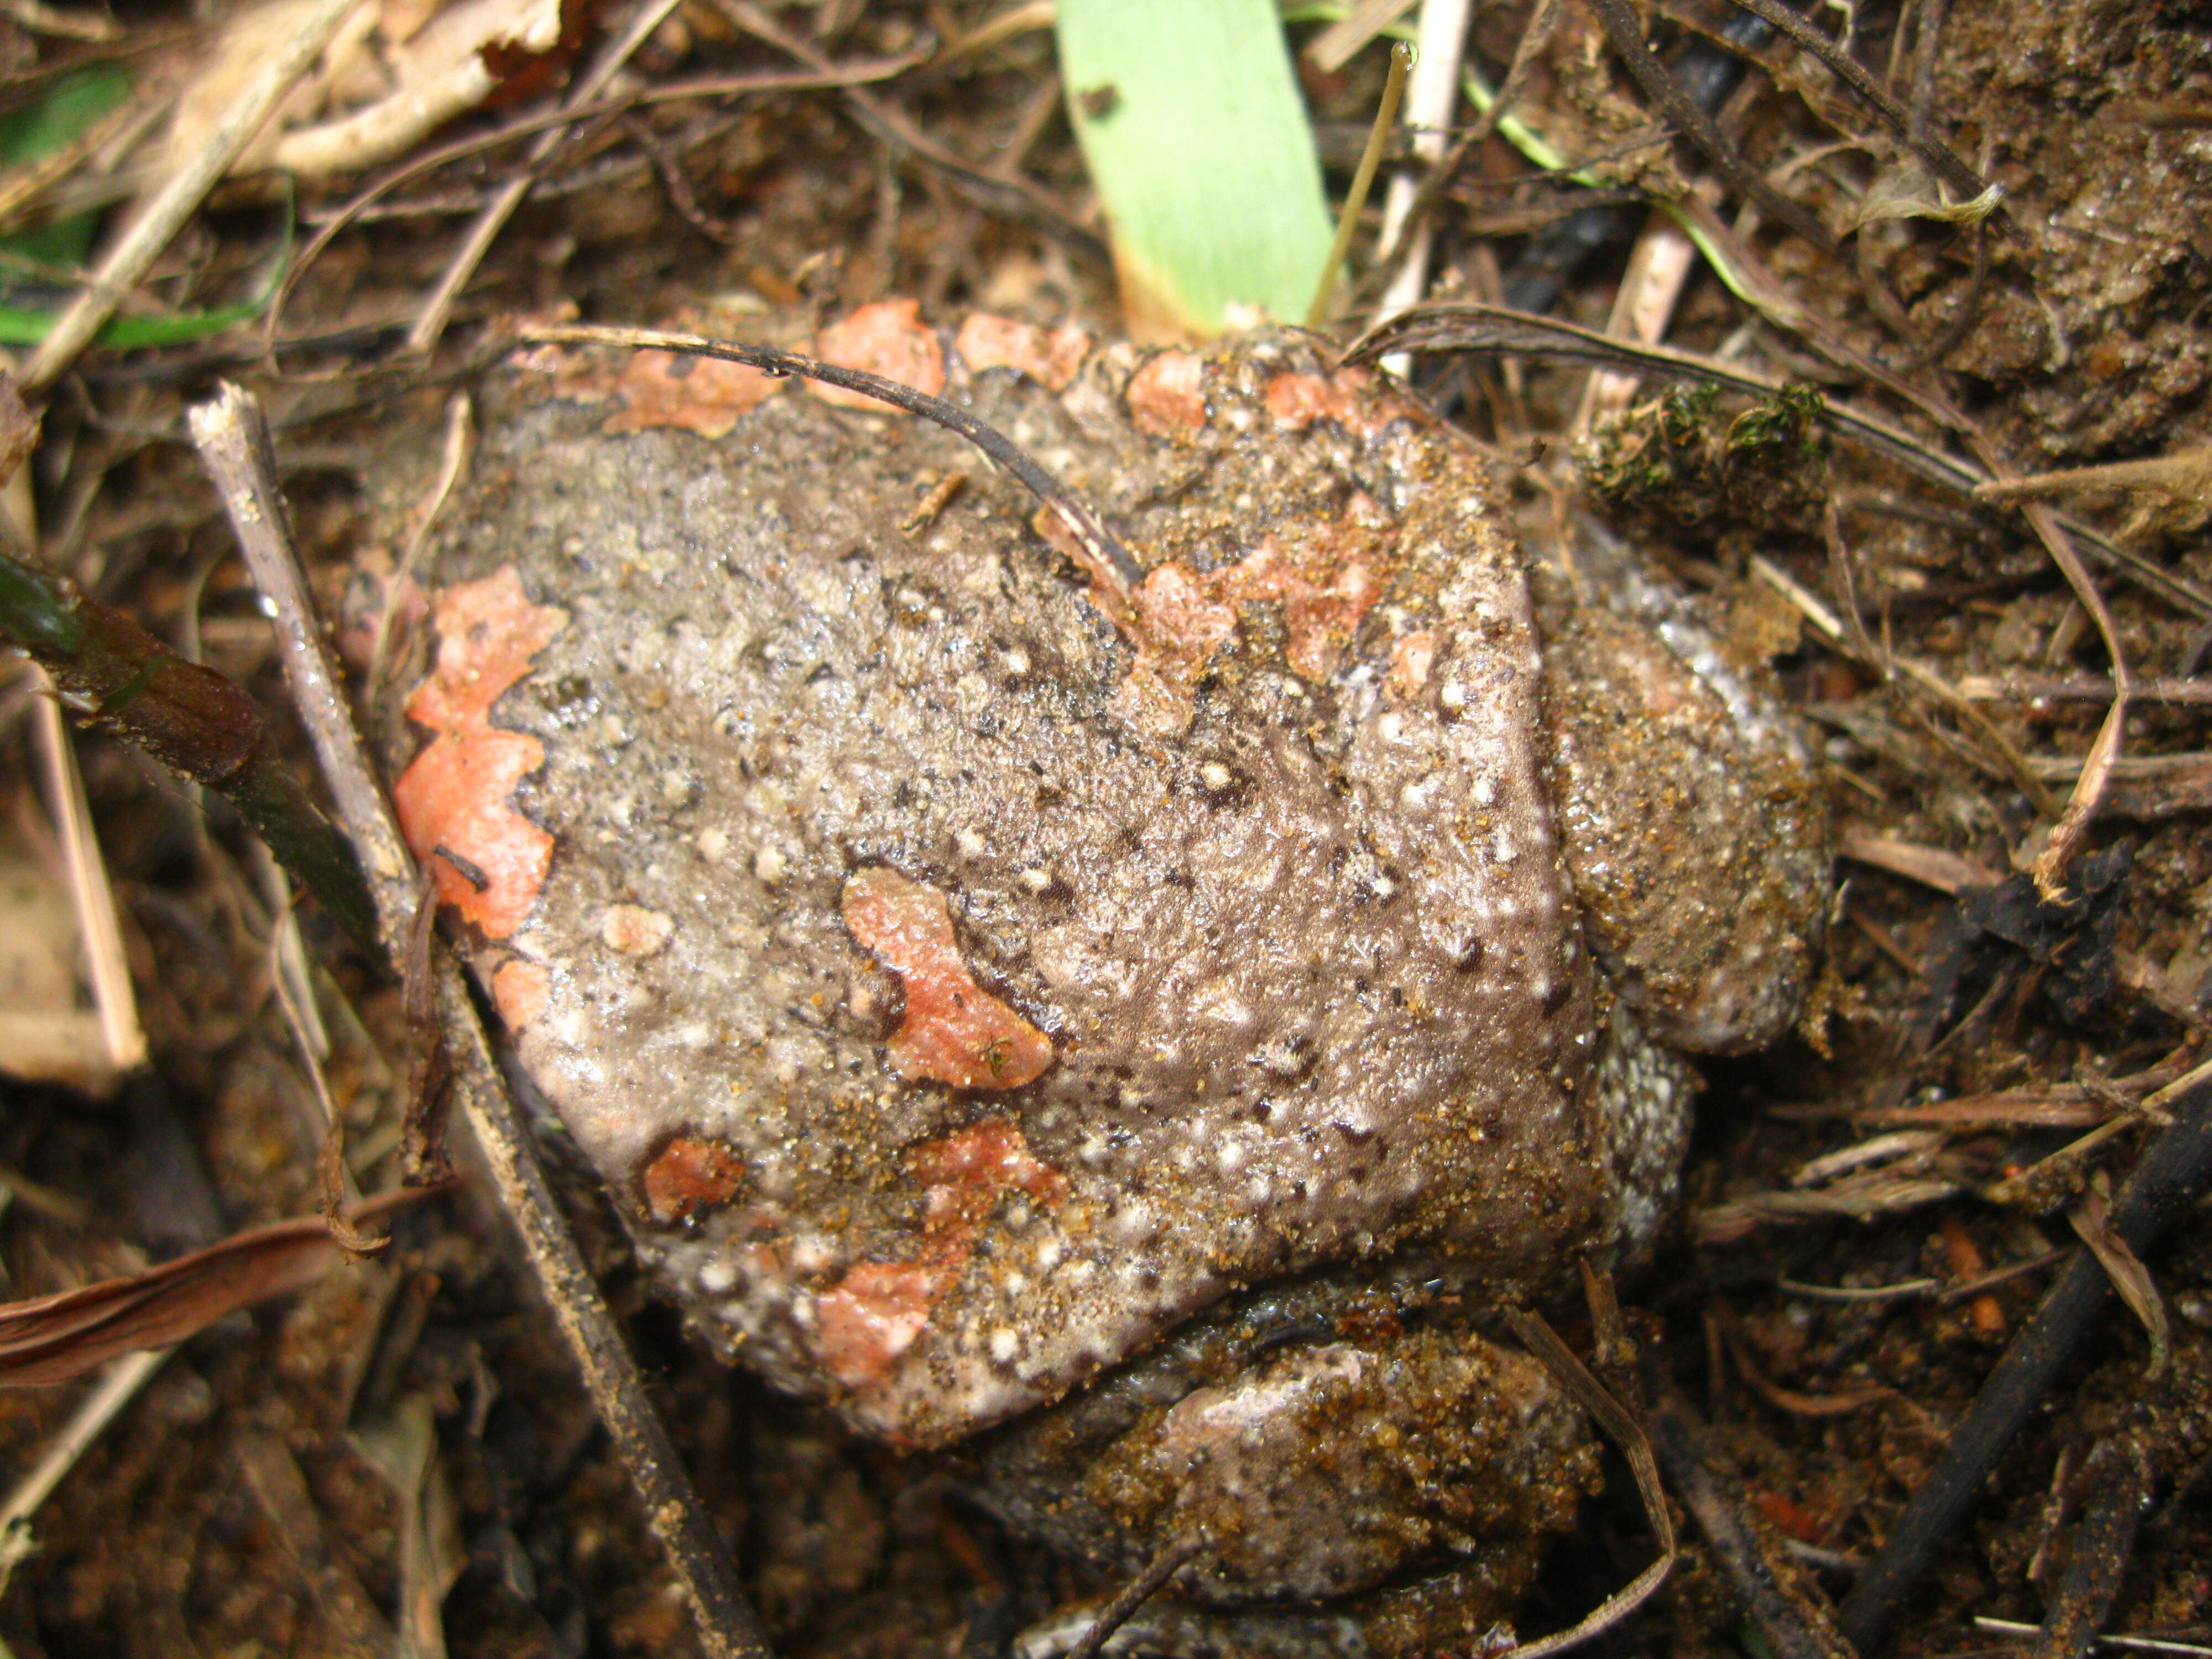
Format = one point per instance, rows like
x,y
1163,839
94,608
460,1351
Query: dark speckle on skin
x,y
1346,876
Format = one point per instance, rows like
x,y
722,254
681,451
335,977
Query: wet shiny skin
x,y
1341,878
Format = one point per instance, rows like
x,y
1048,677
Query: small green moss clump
x,y
1685,463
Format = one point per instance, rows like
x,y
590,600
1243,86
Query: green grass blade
x,y
1190,118
63,113
23,326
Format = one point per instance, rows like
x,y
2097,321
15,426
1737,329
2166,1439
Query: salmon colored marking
x,y
1050,356
868,1320
689,1176
455,794
520,989
1167,396
1324,586
955,1031
1412,656
872,1317
968,1171
1296,401
705,395
1300,401
887,338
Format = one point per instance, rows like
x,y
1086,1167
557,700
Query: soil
x,y
237,1506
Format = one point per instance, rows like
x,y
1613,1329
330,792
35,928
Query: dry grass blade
x,y
477,144
164,212
1932,867
1010,195
54,1338
1500,330
122,1036
1658,81
1567,1368
1371,157
1962,179
1343,41
438,309
1442,42
2092,1220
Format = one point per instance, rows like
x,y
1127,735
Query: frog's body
x,y
967,973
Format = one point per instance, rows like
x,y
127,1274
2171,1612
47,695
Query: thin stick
x,y
1012,196
164,212
1443,42
233,441
1461,326
1964,179
2160,1189
1793,1625
116,1389
1619,20
234,431
429,160
1378,137
1134,1596
1111,560
438,310
107,966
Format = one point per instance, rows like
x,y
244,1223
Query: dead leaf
x,y
52,1339
393,74
2092,1220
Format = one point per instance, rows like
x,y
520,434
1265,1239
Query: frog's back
x,y
960,972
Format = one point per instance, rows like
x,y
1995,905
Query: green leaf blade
x,y
1189,116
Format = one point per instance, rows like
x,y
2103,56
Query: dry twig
x,y
164,212
231,432
2167,1180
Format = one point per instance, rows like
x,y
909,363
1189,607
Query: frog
x,y
1126,1026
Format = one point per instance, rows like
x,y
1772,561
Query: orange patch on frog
x,y
871,1317
887,338
955,1031
689,1176
1050,356
868,1320
1296,401
455,794
1325,584
1167,396
1412,656
705,395
520,989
